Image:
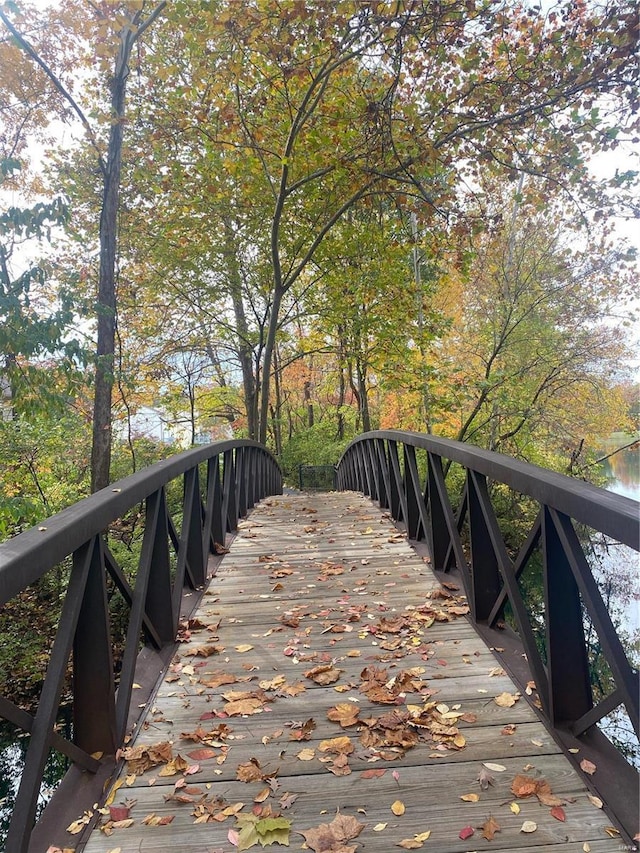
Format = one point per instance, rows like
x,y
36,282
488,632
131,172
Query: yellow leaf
x,y
398,808
114,791
506,700
379,827
595,801
244,647
423,836
306,754
515,808
470,798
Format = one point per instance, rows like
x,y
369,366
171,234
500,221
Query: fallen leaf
x,y
612,832
595,801
558,813
306,754
506,700
515,808
325,674
489,828
470,798
528,826
588,766
373,773
398,808
465,833
485,778
379,827
244,647
331,836
496,768
345,713
117,813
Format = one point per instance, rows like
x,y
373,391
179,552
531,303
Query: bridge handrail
x,y
238,474
373,464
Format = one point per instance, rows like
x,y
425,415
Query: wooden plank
x,y
325,580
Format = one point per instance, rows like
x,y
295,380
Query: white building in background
x,y
159,426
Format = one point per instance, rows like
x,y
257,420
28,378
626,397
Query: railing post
x,y
241,481
24,810
94,710
439,538
398,495
383,474
567,663
417,511
229,493
191,538
485,571
214,524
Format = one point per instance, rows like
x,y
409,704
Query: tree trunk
x,y
363,395
245,353
272,330
104,378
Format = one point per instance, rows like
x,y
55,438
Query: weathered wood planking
x,y
320,579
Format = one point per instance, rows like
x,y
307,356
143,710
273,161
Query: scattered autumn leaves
x,y
389,711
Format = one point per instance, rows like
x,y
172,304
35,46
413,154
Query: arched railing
x,y
405,473
220,482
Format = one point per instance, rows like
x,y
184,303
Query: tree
x,y
35,313
313,107
529,352
126,22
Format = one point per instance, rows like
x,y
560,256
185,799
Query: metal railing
x,y
238,474
467,537
317,478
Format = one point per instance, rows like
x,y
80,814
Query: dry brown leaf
x,y
344,713
489,828
588,766
506,700
470,798
250,771
325,674
332,836
341,745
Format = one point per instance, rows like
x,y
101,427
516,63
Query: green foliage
x,y
45,468
316,445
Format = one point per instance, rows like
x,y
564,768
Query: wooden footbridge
x,y
328,688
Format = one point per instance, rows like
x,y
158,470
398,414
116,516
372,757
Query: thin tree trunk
x,y
272,329
245,354
106,308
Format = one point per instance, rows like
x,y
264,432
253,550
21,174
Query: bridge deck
x,y
326,582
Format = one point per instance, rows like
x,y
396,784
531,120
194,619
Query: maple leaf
x,y
332,836
345,713
303,731
250,771
489,828
141,757
506,700
341,745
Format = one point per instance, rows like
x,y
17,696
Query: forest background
x,y
302,220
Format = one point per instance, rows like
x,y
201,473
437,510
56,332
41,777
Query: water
x,y
12,754
617,572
